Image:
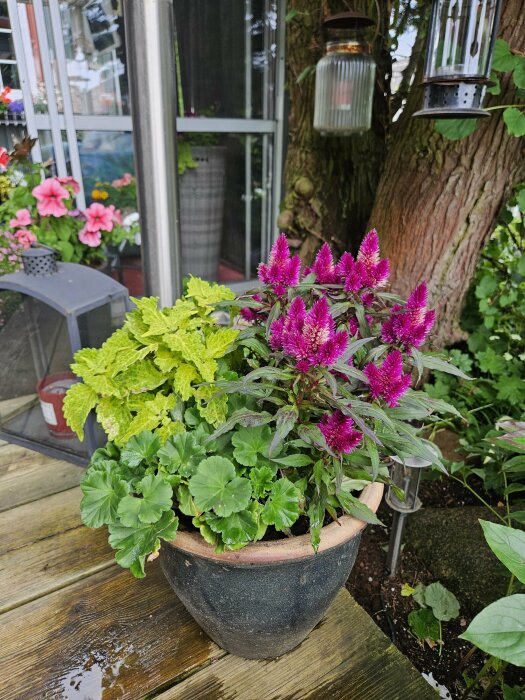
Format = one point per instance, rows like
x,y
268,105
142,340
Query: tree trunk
x,y
330,182
438,200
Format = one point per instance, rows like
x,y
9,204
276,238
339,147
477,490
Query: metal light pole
x,y
150,50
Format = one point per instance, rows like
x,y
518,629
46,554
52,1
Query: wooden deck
x,y
75,626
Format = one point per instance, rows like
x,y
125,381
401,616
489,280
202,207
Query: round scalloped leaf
x,y
237,528
157,497
102,494
282,507
215,487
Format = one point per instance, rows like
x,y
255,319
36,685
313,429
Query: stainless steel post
x,y
394,545
150,37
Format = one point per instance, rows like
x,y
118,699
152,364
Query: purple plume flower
x,y
249,314
338,432
309,337
350,274
376,270
388,381
353,326
282,271
411,324
323,267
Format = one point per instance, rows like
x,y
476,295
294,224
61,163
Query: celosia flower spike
x,y
350,274
388,381
410,325
282,271
323,267
376,270
338,432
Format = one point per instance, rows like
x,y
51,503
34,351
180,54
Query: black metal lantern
x,y
48,311
460,47
344,82
405,475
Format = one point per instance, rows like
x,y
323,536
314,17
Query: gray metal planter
x,y
262,601
201,211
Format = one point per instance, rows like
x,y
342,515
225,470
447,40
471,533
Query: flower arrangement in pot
x,y
251,454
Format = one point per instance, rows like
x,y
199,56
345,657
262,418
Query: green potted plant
x,y
250,454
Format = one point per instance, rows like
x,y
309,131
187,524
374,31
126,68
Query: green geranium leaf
x,y
102,494
182,453
249,443
215,486
282,507
78,402
499,629
133,544
262,480
424,625
444,604
141,448
186,502
237,528
508,544
157,497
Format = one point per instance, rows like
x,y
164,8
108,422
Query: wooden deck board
x,y
26,476
345,657
107,635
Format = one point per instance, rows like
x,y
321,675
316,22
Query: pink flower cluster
x,y
126,179
98,218
409,325
309,336
11,246
388,382
282,271
339,433
50,196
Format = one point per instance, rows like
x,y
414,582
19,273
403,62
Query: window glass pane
x,y
226,57
96,56
10,75
7,50
4,15
104,156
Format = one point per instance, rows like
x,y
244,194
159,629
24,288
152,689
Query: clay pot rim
x,y
290,548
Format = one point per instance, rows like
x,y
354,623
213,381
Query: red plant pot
x,y
51,392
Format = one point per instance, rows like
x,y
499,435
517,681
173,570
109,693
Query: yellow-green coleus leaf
x,y
193,350
219,341
211,407
185,374
114,416
139,377
78,402
178,315
152,316
206,293
165,359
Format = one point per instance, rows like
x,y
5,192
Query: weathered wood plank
x,y
31,522
346,657
26,476
107,635
52,563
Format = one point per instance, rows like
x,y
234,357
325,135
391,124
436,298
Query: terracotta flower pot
x,y
51,392
263,600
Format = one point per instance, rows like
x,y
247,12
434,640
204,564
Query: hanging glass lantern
x,y
48,311
460,46
344,79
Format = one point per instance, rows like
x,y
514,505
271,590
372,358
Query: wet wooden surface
x,y
74,626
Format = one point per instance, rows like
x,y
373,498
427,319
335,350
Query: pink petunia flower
x,y
25,238
126,179
70,182
323,267
23,218
117,216
309,337
282,271
388,381
338,432
50,195
376,270
99,218
89,237
410,325
4,158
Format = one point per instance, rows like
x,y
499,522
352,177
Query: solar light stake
x,y
405,475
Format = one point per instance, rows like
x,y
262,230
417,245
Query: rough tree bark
x,y
330,182
438,200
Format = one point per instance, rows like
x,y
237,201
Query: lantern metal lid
x,y
460,46
39,260
344,85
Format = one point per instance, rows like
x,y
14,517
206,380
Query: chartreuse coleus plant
x,y
142,375
269,425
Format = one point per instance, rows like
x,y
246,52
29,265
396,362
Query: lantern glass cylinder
x,y
344,89
406,475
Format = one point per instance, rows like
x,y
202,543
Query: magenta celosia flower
x,y
282,271
251,314
376,270
411,324
98,218
323,267
338,432
22,219
50,195
25,238
388,381
70,182
309,337
350,273
89,237
353,325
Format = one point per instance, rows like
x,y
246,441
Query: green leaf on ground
x,y
443,602
424,625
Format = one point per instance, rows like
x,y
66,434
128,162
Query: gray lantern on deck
x,y
460,47
48,311
344,78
